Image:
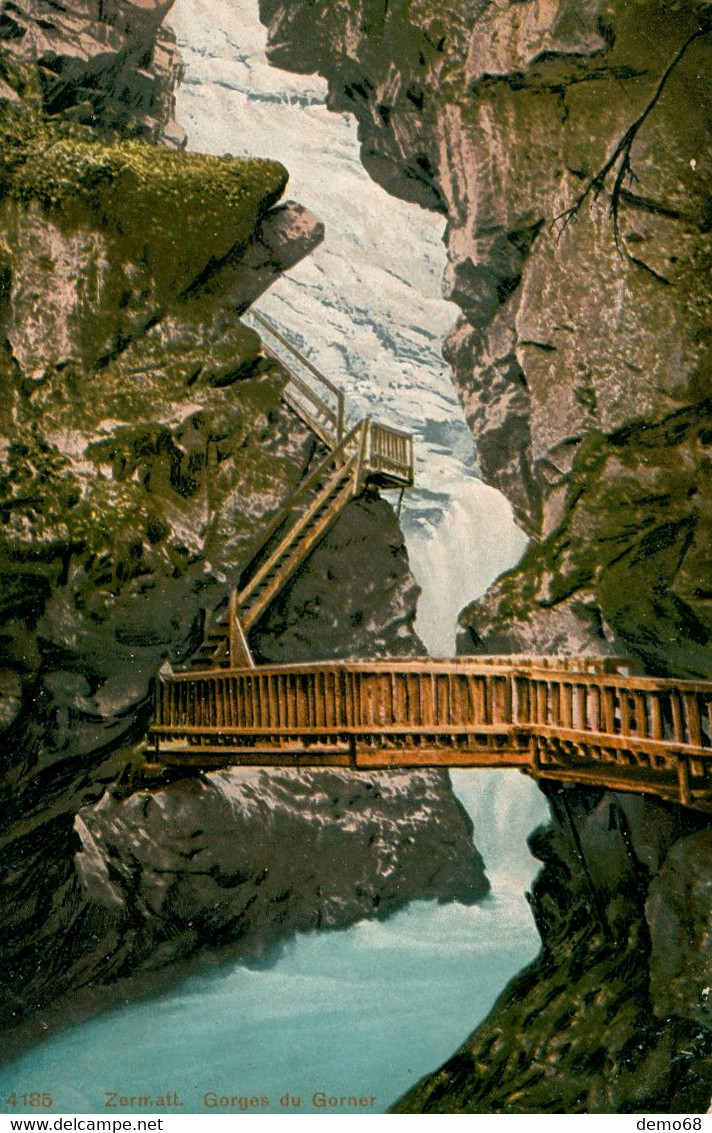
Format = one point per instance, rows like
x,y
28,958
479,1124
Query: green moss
x,y
174,212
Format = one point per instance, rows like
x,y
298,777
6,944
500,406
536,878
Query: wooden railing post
x,y
341,410
240,655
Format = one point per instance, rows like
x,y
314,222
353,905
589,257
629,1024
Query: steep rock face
x,y
109,63
235,863
354,597
247,857
614,1016
568,146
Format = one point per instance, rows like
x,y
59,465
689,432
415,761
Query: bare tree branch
x,y
621,154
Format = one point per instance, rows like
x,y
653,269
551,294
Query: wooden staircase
x,y
368,454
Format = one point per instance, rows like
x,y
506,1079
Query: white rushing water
x,y
369,1010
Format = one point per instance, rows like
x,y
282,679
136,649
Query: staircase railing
x,y
319,402
369,451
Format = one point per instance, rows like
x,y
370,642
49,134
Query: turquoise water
x,y
360,1013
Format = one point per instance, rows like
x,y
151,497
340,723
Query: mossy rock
x,y
173,212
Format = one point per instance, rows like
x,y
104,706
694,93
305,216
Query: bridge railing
x,y
643,708
458,698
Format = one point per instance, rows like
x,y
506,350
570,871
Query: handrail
x,y
539,700
340,459
337,415
602,728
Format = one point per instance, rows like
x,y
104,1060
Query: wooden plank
x,y
641,717
676,709
439,757
692,718
609,710
655,729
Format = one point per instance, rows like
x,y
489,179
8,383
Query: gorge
x,y
588,402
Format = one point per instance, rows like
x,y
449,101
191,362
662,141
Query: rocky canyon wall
x,y
145,447
567,146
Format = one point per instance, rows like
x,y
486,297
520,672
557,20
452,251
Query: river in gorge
x,y
369,1009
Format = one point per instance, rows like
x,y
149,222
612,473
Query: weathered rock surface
x,y
614,1016
109,63
568,146
252,856
357,577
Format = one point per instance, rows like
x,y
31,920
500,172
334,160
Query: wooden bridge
x,y
581,720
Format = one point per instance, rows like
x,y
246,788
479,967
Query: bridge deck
x,y
583,720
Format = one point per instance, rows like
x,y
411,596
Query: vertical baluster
x,y
567,705
240,692
441,702
477,700
384,714
542,702
692,718
280,692
525,700
593,708
232,702
314,713
354,684
363,712
329,697
426,699
609,710
506,699
555,704
625,710
640,724
655,716
677,726
459,694
219,713
579,708
254,701
489,700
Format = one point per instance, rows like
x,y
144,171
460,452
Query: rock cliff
x,y
614,1014
145,446
567,146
